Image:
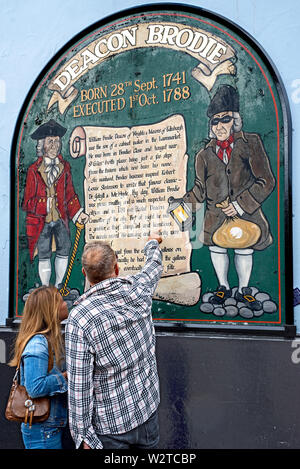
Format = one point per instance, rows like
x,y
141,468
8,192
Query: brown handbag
x,y
21,407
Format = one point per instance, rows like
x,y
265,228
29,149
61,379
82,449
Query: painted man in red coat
x,y
50,202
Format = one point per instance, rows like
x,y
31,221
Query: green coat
x,y
247,179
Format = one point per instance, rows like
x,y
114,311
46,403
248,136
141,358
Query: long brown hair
x,y
40,316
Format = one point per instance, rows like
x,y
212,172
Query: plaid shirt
x,y
110,354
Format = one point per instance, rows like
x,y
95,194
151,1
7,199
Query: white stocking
x,y
61,264
243,261
45,271
220,261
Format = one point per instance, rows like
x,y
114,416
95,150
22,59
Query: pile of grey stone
x,y
232,308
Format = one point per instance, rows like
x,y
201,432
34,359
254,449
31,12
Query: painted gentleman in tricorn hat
x,y
233,167
50,202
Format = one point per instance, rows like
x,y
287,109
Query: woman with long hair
x,y
39,334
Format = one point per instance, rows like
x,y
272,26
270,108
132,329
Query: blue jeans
x,y
146,436
41,436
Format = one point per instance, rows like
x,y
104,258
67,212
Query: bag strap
x,y
50,355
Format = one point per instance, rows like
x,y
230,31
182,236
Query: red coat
x,y
35,201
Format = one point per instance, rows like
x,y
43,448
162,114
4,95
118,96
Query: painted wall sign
x,y
159,119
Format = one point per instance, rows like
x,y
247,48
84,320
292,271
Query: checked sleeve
x,y
80,363
152,270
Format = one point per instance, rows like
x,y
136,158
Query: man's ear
x,y
83,271
117,270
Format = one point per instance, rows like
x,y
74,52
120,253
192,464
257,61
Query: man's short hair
x,y
98,260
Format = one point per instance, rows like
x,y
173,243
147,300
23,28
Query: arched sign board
x,y
160,118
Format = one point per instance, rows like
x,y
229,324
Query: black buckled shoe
x,y
248,299
220,295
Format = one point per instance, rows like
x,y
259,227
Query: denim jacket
x,y
38,382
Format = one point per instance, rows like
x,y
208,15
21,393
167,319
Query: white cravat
x,y
51,169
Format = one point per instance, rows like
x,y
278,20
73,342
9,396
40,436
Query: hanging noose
x,y
79,227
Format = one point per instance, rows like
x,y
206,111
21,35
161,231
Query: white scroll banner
x,y
213,56
130,173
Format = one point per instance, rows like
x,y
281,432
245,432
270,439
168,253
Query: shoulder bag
x,y
21,407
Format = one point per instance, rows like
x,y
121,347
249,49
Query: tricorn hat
x,y
49,129
225,99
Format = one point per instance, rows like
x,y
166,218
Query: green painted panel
x,y
132,96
